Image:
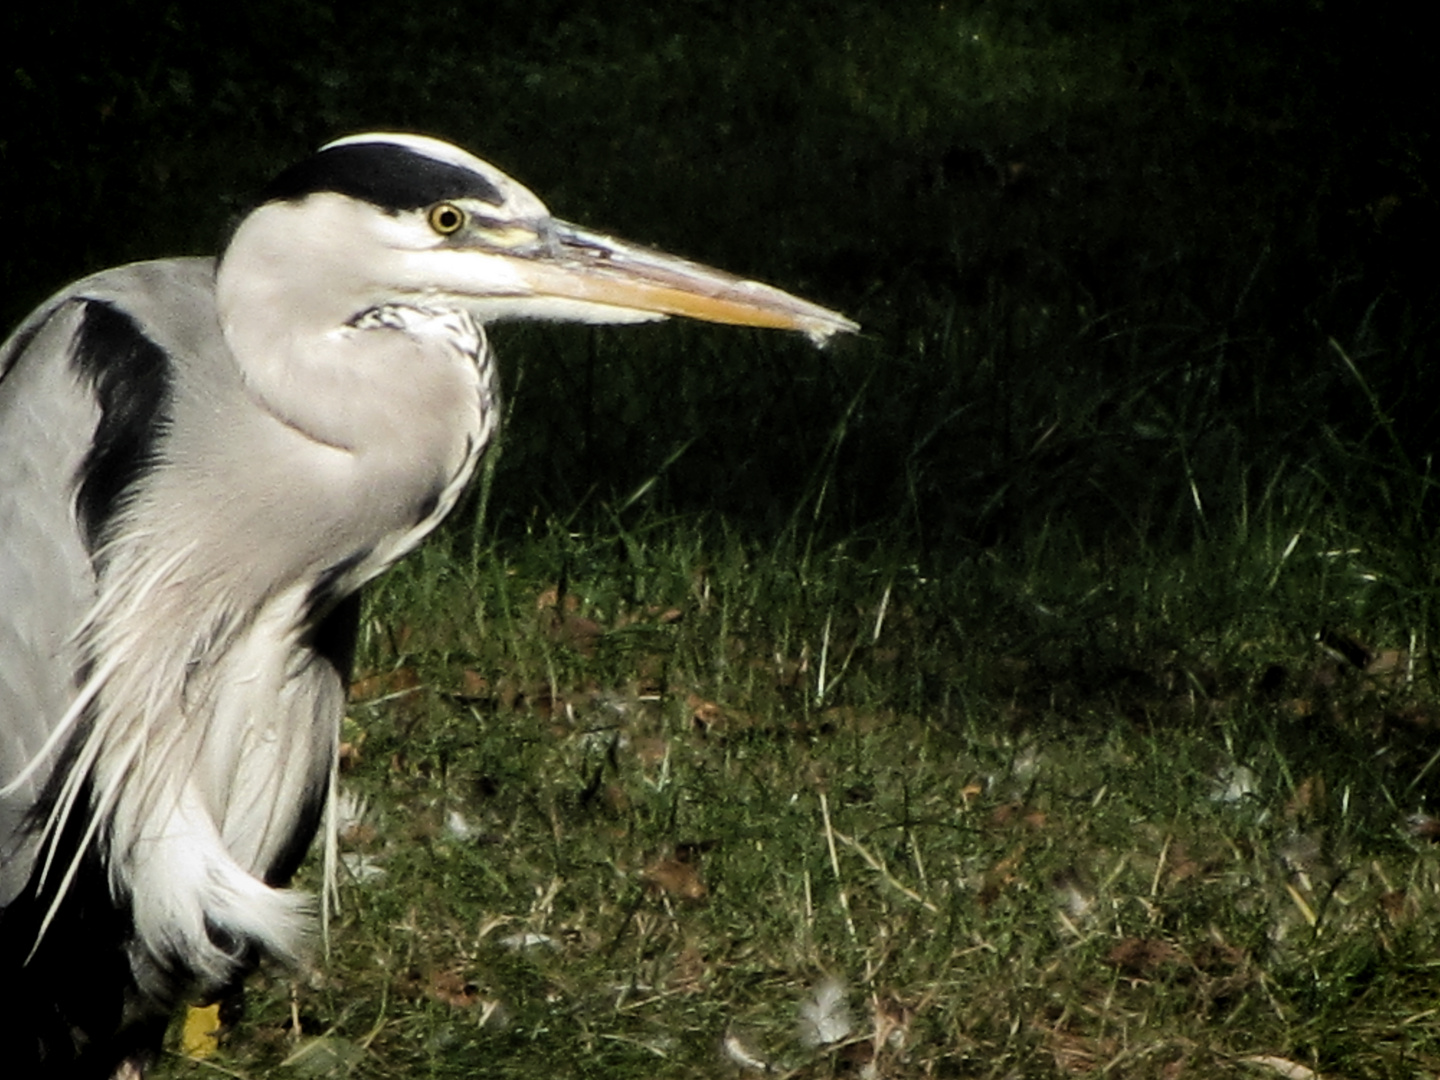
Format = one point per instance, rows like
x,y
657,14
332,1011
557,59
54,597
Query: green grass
x,y
1054,811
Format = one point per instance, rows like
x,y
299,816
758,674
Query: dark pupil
x,y
448,219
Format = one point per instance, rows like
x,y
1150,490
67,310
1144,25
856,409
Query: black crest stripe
x,y
386,175
131,377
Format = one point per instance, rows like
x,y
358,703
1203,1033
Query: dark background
x,y
1099,250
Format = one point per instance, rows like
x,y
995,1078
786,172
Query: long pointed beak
x,y
577,266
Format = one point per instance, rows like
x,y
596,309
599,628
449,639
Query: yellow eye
x,y
446,218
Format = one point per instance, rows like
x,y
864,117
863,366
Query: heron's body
x,y
200,465
243,637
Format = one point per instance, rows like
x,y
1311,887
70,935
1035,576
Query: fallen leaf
x,y
1013,813
550,598
650,749
674,878
1309,797
578,632
1003,874
1179,865
1397,906
1423,827
1078,1054
708,717
384,684
1144,956
453,989
1389,666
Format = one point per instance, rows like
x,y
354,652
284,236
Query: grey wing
x,y
81,385
48,416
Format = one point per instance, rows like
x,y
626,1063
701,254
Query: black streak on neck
x,y
132,380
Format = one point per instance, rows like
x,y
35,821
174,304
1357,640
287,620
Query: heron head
x,y
387,218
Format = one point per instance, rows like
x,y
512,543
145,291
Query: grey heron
x,y
201,463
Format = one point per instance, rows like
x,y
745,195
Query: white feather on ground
x,y
824,1016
